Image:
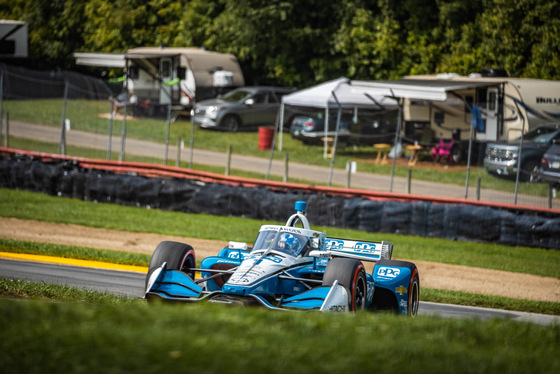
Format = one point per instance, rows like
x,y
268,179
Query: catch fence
x,y
73,113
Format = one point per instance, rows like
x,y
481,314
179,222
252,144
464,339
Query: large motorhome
x,y
507,106
160,76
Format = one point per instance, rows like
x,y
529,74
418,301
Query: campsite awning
x,y
111,60
419,89
321,96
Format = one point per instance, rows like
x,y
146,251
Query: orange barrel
x,y
266,134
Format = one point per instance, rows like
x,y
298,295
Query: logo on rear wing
x,y
350,248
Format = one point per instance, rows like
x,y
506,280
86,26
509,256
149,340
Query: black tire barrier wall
x,y
427,219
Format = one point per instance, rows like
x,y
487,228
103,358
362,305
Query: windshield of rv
x,y
282,241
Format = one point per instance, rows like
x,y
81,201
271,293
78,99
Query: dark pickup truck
x,y
502,159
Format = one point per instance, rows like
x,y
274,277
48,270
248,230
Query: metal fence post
x,y
179,148
8,129
123,136
191,145
348,173
408,180
550,196
478,189
167,133
110,140
286,167
62,145
228,160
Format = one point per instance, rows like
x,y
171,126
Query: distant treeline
x,y
302,42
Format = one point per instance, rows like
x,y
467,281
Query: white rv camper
x,y
507,106
160,76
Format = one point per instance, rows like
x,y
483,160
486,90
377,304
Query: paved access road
x,y
312,173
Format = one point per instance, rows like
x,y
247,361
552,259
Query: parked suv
x,y
242,107
502,159
550,166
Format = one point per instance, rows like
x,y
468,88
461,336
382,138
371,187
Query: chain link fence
x,y
72,104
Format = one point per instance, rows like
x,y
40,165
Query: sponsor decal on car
x,y
401,290
366,246
388,272
335,244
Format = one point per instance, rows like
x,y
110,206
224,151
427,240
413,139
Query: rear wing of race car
x,y
359,250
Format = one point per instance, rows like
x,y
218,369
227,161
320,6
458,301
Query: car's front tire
x,y
177,256
351,275
231,123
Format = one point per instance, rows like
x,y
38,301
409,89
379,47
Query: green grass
x,y
85,115
28,205
67,251
107,337
24,290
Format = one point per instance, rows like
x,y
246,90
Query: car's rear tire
x,y
178,256
414,294
351,275
530,171
231,123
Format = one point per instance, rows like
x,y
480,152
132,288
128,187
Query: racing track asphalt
x,y
105,277
312,173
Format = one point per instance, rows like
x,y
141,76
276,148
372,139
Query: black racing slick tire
x,y
414,294
350,274
177,256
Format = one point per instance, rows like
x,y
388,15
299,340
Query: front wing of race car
x,y
178,286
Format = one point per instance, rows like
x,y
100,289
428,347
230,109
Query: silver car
x,y
242,107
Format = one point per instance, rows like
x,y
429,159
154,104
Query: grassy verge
x,y
80,253
37,206
39,337
86,115
25,290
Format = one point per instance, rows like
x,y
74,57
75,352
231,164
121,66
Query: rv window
x,y
492,101
133,72
166,69
182,72
469,103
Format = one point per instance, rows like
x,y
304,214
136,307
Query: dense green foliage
x,y
302,42
45,337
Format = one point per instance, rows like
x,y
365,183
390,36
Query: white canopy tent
x,y
337,93
345,93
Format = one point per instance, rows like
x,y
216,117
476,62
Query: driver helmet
x,y
289,242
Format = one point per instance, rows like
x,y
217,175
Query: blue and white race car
x,y
290,267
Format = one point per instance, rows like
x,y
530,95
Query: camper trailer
x,y
504,107
160,77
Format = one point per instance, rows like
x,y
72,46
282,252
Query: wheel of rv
x,y
351,275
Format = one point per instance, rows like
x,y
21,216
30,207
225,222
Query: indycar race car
x,y
289,267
